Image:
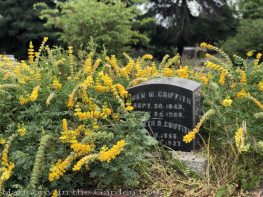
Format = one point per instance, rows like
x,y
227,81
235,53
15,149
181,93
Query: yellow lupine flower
x,y
121,89
222,78
257,102
227,102
7,166
55,193
259,55
96,65
2,141
64,124
88,66
57,170
260,86
50,98
204,79
82,149
56,84
23,100
34,94
147,57
243,76
240,141
183,72
21,131
129,108
233,85
168,72
108,155
84,161
242,94
100,88
191,135
31,53
250,53
70,101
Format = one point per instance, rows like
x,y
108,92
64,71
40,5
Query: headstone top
x,y
180,82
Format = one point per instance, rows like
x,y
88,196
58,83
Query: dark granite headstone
x,y
174,105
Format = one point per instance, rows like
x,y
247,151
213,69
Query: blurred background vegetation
x,y
158,27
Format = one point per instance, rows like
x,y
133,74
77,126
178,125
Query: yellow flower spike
x,y
191,135
203,44
34,94
23,100
56,84
31,53
55,193
240,139
106,155
96,65
50,98
227,102
88,66
183,72
45,39
243,76
250,53
82,149
21,131
137,81
7,169
256,63
57,170
233,85
71,60
147,57
65,125
259,55
260,86
2,141
257,102
70,101
122,91
168,72
242,94
84,161
204,79
222,77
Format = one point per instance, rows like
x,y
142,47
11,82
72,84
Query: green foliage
x,y
41,147
108,23
248,37
19,23
251,9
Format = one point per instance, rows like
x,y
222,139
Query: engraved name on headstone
x,y
174,105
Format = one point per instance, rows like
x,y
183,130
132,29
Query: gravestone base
x,y
192,160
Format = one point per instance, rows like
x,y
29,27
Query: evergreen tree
x,y
19,24
186,22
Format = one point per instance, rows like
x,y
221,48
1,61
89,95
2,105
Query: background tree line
x,y
155,26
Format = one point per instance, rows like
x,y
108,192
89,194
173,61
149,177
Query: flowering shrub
x,y
62,115
68,117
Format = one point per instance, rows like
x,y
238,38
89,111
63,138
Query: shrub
x,y
110,23
69,117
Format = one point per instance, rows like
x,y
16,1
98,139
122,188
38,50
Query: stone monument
x,y
174,105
